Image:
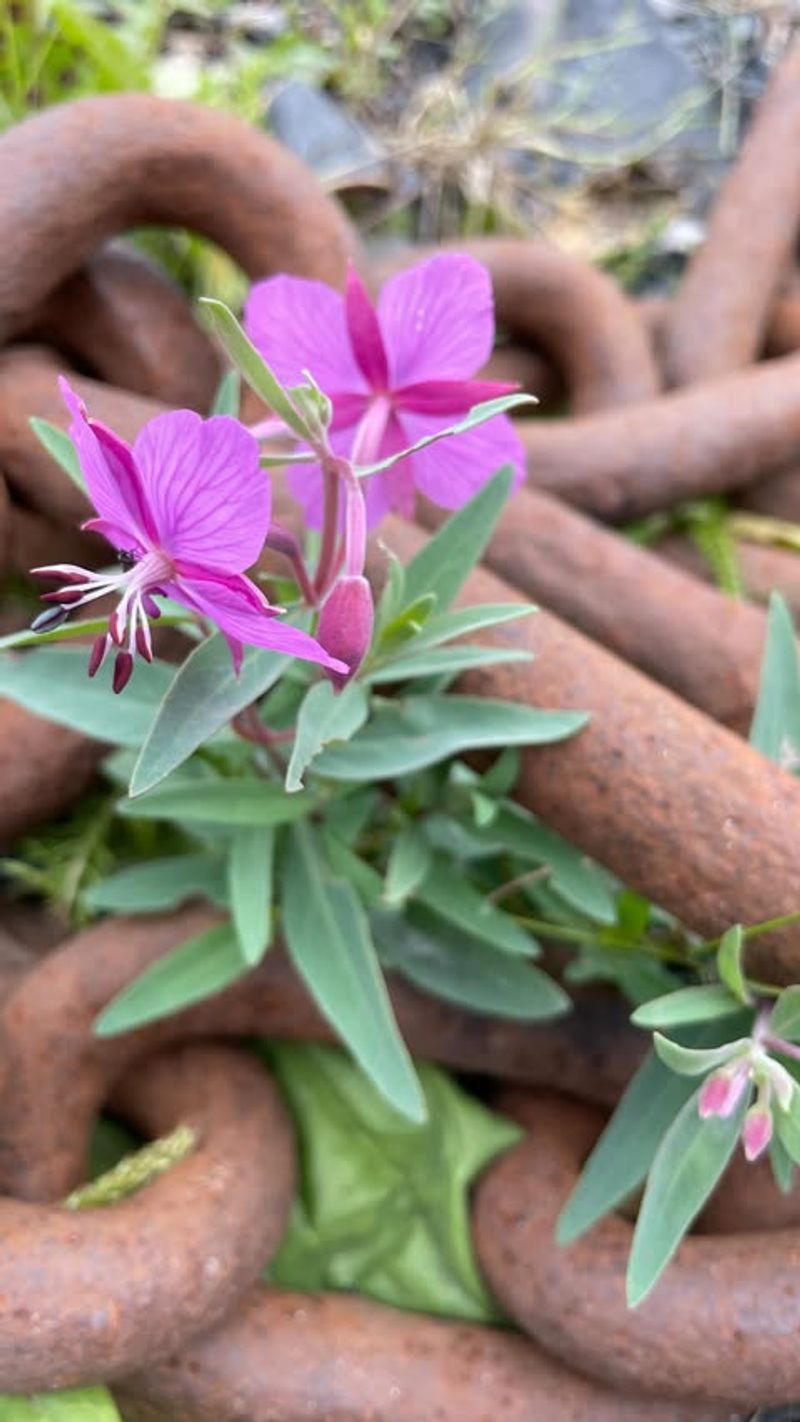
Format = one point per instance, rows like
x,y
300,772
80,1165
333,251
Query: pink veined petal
x,y
209,498
452,470
243,614
113,533
437,319
449,397
364,331
110,473
300,325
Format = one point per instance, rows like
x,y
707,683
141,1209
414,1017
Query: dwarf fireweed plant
x,y
301,768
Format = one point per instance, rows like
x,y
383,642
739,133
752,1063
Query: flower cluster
x,y
744,1065
187,507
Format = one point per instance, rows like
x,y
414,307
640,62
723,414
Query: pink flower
x,y
188,509
723,1089
394,374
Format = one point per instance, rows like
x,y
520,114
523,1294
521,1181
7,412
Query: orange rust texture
x,y
79,173
722,1324
95,1293
718,319
284,1356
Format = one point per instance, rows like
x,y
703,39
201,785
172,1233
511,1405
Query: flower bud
x,y
345,625
722,1091
757,1131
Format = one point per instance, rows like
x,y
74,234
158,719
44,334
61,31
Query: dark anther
x,y
127,559
50,618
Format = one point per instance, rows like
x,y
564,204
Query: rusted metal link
x,y
717,320
575,315
46,1039
747,1199
122,321
764,569
80,173
679,807
534,374
720,435
44,769
93,1294
721,1325
633,602
283,1356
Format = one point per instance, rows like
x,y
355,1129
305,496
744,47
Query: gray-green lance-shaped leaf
x,y
455,899
58,443
419,731
193,971
622,1156
730,963
787,1125
204,695
696,1061
244,356
53,682
580,882
445,561
160,884
410,859
228,395
250,872
688,1004
447,661
220,802
447,963
478,415
785,1017
79,1404
383,1204
776,724
782,1165
325,716
328,938
688,1163
444,626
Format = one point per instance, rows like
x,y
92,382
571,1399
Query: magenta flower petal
x,y
365,332
449,397
243,614
437,319
209,497
452,470
300,325
110,473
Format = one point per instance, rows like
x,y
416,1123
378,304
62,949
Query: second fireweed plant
x,y
302,761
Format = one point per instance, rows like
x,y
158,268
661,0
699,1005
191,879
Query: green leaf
x,y
689,1162
250,867
204,695
383,1205
785,1017
622,1156
160,884
444,626
730,963
89,627
325,716
583,884
58,443
787,1125
406,626
782,1164
689,1004
449,660
328,938
447,963
193,971
443,564
695,1061
229,393
478,415
410,859
419,731
53,682
219,802
776,724
244,356
455,899
344,864
634,972
84,1404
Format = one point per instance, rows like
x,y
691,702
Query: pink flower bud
x,y
722,1091
757,1131
345,625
